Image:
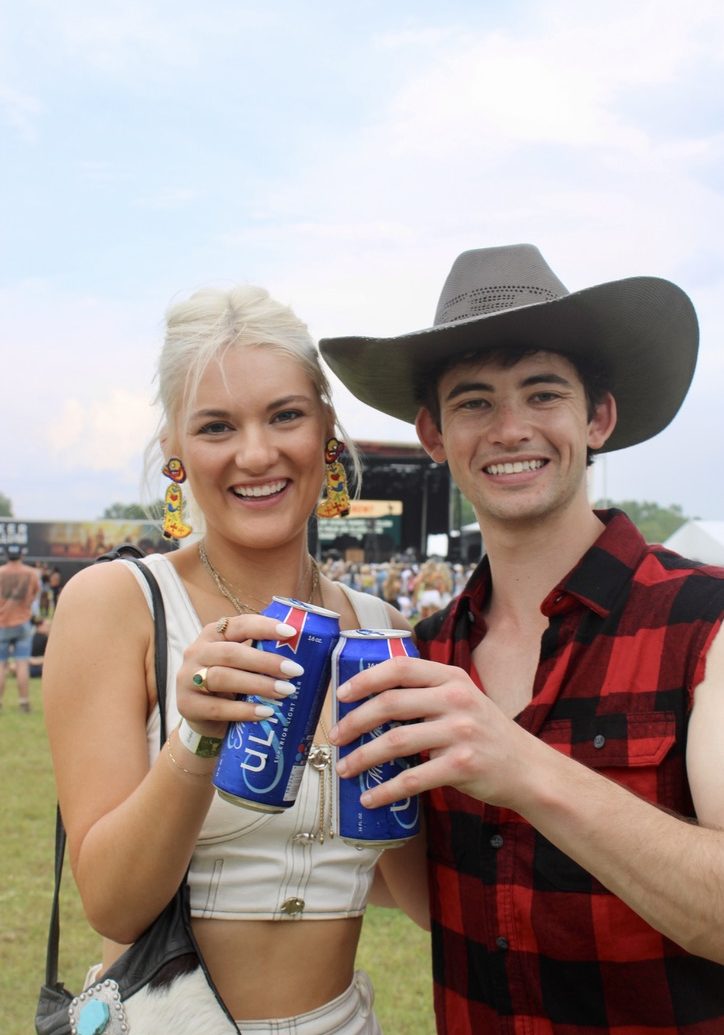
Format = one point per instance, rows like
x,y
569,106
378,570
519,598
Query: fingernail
x,y
290,668
342,766
333,733
285,630
263,711
283,688
343,691
365,799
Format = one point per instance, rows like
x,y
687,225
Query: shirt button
x,y
599,740
496,841
502,943
293,906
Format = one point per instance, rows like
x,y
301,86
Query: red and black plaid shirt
x,y
524,939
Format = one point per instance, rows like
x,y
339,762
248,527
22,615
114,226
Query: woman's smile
x,y
264,491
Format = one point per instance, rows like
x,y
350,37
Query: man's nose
x,y
508,424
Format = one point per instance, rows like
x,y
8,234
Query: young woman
x,y
277,904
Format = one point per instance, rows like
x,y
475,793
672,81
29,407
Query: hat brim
x,y
644,329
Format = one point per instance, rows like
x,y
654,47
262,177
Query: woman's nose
x,y
255,452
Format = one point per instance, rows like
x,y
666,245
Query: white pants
x,y
349,1014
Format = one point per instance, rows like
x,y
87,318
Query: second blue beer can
x,y
388,825
261,763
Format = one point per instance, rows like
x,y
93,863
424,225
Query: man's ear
x,y
430,435
601,425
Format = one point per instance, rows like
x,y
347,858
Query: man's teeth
x,y
259,490
514,468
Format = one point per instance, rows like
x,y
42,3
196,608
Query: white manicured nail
x,y
263,711
283,688
290,668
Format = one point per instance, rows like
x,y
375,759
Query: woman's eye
x,y
214,427
287,415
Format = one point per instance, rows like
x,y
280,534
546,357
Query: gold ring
x,y
222,625
199,680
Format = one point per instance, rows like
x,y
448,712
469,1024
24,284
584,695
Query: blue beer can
x,y
261,763
388,825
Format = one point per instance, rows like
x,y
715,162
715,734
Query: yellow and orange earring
x,y
173,525
336,501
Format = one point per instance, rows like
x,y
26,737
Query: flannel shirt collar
x,y
598,579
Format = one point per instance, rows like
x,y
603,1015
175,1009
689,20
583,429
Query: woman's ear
x,y
430,435
331,423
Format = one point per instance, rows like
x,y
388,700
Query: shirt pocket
x,y
618,741
631,749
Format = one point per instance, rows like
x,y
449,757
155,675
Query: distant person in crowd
x,y
568,706
41,628
276,903
428,601
55,584
19,588
45,597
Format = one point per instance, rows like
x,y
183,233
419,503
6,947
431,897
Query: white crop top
x,y
262,866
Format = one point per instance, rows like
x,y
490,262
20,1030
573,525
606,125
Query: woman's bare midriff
x,y
274,968
278,968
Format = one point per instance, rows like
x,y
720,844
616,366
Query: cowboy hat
x,y
643,330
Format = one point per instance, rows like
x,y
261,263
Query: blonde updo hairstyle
x,y
205,327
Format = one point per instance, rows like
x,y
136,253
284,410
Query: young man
x,y
568,706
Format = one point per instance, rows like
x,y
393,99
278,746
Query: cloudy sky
x,y
342,156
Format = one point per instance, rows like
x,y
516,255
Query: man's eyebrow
x,y
482,386
468,386
546,379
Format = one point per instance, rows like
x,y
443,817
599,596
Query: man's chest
x,y
506,668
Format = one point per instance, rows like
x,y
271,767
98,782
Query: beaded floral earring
x,y
173,525
336,501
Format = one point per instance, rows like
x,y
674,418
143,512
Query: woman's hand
x,y
222,664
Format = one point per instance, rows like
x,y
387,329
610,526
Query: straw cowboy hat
x,y
643,329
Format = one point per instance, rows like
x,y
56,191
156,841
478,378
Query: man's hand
x,y
464,739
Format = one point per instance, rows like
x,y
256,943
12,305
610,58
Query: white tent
x,y
699,541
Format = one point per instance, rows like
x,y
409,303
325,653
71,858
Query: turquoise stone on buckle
x,y
98,1011
94,1018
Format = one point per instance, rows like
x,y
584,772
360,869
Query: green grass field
x,y
393,951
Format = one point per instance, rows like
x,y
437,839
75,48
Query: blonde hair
x,y
205,327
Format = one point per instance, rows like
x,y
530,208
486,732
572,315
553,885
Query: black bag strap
x,y
129,553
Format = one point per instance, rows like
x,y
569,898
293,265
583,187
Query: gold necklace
x,y
226,590
220,584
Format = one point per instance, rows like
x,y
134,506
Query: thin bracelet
x,y
183,768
